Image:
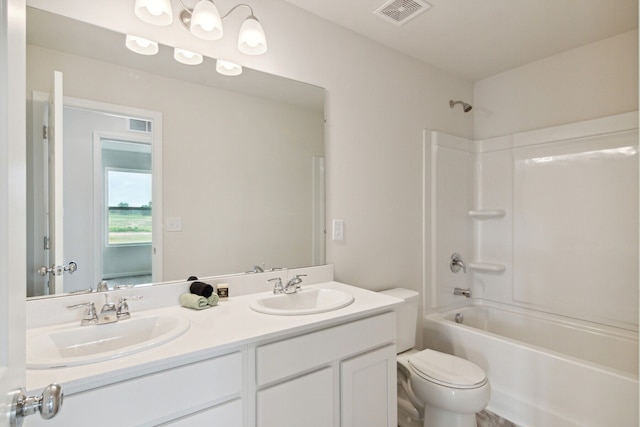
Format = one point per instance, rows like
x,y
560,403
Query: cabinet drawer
x,y
228,414
299,354
154,398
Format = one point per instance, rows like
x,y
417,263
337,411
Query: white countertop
x,y
213,331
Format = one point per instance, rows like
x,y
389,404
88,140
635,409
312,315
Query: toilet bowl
x,y
434,389
451,389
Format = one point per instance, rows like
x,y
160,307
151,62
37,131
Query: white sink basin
x,y
306,301
71,345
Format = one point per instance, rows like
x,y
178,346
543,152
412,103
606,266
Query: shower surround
x,y
545,220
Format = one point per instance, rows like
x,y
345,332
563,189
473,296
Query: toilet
x,y
435,389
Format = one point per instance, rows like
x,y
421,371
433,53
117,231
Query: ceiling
x,y
475,39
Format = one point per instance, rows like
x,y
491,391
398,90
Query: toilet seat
x,y
447,370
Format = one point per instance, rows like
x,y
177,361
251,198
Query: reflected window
x,y
129,207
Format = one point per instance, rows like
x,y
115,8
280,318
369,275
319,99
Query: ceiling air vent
x,y
400,12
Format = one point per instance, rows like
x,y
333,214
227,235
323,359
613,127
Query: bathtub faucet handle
x,y
464,292
456,263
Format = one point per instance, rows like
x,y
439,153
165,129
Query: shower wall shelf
x,y
486,266
487,213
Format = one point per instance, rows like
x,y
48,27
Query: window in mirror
x,y
129,216
128,192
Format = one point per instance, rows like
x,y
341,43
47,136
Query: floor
x,y
489,419
483,419
129,280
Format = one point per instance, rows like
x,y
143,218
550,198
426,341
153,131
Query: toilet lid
x,y
446,369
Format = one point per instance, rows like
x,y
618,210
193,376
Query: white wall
x,y
596,80
378,103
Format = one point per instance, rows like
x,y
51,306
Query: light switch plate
x,y
338,229
174,223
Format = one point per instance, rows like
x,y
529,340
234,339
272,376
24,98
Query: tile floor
x,y
489,419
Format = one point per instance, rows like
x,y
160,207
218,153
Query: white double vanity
x,y
233,366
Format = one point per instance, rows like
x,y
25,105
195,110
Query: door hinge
x,y
45,133
46,242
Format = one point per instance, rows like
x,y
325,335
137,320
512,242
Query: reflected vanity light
x,y
187,57
141,45
155,12
204,21
148,47
228,68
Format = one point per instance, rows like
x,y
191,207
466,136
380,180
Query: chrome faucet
x,y
103,286
293,285
256,269
456,263
464,292
108,313
89,317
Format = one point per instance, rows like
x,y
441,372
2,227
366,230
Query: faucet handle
x,y
296,280
456,263
277,286
123,307
89,305
90,316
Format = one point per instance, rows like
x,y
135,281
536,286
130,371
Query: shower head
x,y
465,107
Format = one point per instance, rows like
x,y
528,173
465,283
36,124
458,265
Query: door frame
x,y
156,169
99,197
13,236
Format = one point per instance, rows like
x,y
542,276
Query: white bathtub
x,y
545,370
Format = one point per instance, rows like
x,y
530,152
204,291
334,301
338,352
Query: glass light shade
x,y
228,68
187,57
206,22
252,40
156,12
141,45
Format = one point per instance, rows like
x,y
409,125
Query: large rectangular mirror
x,y
168,170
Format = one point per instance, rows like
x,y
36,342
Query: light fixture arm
x,y
190,11
184,6
237,6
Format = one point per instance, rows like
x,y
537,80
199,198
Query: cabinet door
x,y
304,401
368,389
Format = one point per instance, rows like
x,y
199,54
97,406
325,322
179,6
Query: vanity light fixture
x,y
141,45
228,68
187,57
205,22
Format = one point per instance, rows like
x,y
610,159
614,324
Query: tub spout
x,y
460,291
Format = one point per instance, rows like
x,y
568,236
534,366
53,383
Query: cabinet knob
x,y
48,404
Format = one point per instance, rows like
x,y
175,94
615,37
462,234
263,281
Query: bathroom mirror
x,y
242,160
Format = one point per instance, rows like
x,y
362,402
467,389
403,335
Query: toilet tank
x,y
406,317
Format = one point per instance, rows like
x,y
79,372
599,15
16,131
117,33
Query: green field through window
x,y
129,225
